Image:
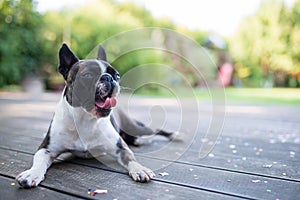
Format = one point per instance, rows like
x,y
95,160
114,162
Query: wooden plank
x,y
228,182
9,189
77,179
265,129
223,158
256,130
263,111
242,184
251,156
246,156
242,126
218,180
247,123
284,133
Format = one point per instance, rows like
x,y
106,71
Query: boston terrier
x,y
85,123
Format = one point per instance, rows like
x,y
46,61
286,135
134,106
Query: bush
x,y
20,49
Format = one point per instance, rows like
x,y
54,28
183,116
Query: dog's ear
x,y
66,60
101,53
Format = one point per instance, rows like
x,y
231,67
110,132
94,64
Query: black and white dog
x,y
84,123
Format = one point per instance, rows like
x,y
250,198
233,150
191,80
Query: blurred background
x,y
254,44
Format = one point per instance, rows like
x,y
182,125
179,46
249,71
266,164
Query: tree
x,y
30,40
263,46
91,24
20,49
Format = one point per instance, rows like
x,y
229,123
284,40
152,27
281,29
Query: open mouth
x,y
108,103
105,96
104,105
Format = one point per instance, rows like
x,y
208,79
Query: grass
x,y
10,88
289,96
286,96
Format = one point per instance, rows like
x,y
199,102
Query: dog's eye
x,y
87,75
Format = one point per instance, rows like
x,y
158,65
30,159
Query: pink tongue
x,y
109,103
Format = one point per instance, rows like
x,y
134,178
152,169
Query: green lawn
x,y
248,95
260,95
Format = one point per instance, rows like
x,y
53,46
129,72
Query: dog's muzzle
x,y
105,97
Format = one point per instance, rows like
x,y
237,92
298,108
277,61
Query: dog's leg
x,y
126,125
174,136
130,129
41,162
129,125
136,171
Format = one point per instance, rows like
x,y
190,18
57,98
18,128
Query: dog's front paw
x,y
30,178
140,173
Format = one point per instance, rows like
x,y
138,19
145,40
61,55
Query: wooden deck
x,y
257,156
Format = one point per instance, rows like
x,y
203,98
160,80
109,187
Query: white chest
x,y
77,130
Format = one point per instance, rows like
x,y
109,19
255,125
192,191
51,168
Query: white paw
x,y
176,136
30,178
140,173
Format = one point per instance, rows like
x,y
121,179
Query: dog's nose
x,y
106,78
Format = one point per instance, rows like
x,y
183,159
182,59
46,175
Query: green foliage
x,y
137,58
30,40
20,49
268,43
87,26
266,47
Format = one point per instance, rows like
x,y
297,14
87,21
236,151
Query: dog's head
x,y
90,84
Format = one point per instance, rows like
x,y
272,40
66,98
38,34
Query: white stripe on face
x,y
102,66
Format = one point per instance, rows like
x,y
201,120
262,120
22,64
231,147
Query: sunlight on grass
x,y
243,95
262,95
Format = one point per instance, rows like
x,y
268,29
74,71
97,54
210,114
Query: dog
x,y
85,123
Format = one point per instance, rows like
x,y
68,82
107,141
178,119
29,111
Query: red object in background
x,y
225,74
